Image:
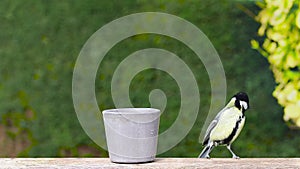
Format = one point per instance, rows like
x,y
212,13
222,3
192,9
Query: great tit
x,y
227,125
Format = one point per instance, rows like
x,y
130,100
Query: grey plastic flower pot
x,y
131,134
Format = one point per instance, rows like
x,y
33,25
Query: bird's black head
x,y
242,101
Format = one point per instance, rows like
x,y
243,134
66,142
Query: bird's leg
x,y
233,155
206,151
211,147
209,150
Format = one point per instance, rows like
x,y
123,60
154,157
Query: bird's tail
x,y
205,152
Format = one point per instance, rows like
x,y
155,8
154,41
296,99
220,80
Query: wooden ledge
x,y
159,163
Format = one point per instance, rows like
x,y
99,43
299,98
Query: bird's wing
x,y
212,125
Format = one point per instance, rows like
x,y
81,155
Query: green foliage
x,y
39,48
280,24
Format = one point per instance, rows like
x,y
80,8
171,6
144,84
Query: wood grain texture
x,y
160,163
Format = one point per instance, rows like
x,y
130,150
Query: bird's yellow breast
x,y
226,124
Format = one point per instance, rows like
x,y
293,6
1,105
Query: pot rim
x,y
131,111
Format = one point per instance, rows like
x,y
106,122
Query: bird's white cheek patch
x,y
244,104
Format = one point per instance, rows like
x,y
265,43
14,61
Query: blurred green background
x,y
40,42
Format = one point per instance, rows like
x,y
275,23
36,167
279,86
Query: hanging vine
x,y
280,27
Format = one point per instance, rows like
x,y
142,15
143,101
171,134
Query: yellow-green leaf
x,y
298,19
292,111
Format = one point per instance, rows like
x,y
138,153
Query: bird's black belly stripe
x,y
232,134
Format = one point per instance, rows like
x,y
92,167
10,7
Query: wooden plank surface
x,y
160,163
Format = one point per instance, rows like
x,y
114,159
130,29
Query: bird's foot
x,y
236,157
